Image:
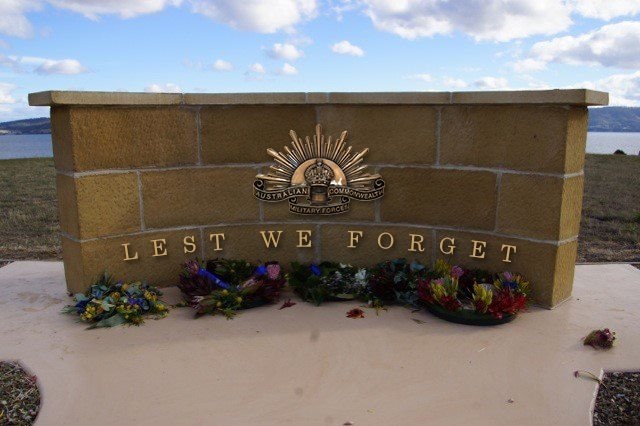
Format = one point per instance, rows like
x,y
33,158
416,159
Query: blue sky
x,y
316,45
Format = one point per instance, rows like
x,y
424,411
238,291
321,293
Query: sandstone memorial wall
x,y
490,180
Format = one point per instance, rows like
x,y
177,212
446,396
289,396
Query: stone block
x,y
395,134
242,134
126,137
439,197
540,207
99,205
199,196
530,138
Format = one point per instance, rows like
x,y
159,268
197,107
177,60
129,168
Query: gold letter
x,y
159,247
217,237
354,237
390,241
507,256
416,240
127,256
478,249
451,248
188,241
303,238
271,239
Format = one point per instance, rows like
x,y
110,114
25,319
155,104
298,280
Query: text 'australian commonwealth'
x,y
356,194
280,194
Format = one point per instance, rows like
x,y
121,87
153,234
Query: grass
x,y
28,210
610,228
610,217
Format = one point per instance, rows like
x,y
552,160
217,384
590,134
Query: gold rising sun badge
x,y
318,176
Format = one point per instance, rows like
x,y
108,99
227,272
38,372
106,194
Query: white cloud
x,y
42,66
494,20
606,9
288,69
614,45
163,88
264,16
92,9
222,65
492,83
257,68
454,83
285,51
62,66
529,65
345,48
256,72
423,77
13,22
624,89
5,93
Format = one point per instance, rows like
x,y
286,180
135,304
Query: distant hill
x,y
614,119
606,119
32,126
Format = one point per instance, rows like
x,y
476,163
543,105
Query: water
x,y
26,146
608,142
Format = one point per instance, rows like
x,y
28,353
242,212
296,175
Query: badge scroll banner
x,y
294,193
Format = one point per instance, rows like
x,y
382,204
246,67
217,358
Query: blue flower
x,y
261,270
510,284
137,301
315,269
213,278
81,306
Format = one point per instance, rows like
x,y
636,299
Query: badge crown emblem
x,y
318,174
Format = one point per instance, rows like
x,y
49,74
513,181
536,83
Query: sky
x,y
316,45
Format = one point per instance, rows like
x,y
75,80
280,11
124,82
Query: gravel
x,y
19,395
618,400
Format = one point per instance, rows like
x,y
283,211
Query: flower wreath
x,y
108,304
487,300
226,285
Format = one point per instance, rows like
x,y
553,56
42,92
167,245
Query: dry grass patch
x,y
610,228
28,210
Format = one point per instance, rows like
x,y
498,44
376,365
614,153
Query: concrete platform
x,y
313,366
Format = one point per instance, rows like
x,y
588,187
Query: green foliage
x,y
482,297
327,281
395,281
232,271
440,269
222,302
